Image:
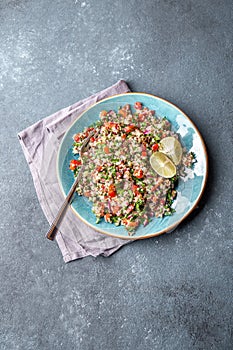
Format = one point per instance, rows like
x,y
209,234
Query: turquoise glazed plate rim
x,y
190,188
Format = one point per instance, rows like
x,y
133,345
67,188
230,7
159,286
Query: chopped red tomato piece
x,y
128,223
90,129
111,125
74,164
103,113
112,194
144,154
112,191
132,224
107,217
138,173
134,188
155,147
106,150
130,128
124,221
138,105
77,137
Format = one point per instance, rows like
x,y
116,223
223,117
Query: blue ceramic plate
x,y
189,188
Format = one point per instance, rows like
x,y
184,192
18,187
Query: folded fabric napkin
x,y
40,143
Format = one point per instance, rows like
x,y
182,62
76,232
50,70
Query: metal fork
x,y
51,234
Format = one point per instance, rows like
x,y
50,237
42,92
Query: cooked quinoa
x,y
116,175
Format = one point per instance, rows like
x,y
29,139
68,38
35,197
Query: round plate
x,y
189,189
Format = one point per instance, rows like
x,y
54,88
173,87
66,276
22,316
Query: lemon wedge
x,y
172,148
162,165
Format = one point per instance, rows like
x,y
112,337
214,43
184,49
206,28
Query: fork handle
x,y
51,234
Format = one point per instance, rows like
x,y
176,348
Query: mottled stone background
x,y
169,292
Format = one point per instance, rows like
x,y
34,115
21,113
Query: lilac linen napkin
x,y
40,144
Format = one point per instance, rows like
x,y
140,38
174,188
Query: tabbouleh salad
x,y
117,176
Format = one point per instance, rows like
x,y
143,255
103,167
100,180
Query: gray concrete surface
x,y
170,292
